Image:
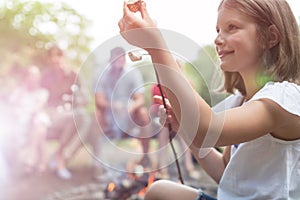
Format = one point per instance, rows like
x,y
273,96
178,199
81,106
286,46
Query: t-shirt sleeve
x,y
229,102
285,94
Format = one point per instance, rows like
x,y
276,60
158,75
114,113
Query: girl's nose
x,y
219,41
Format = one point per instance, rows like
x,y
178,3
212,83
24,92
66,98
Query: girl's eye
x,y
232,27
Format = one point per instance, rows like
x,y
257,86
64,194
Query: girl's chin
x,y
224,67
227,68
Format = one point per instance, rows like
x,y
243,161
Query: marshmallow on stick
x,y
134,5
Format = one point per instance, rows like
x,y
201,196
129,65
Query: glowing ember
x,y
129,185
151,179
111,187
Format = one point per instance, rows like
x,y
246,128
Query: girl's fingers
x,y
162,111
158,100
162,114
144,11
125,8
128,17
121,24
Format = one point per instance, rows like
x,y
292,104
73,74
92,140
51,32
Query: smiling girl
x,y
261,133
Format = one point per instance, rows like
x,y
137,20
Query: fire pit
x,y
129,186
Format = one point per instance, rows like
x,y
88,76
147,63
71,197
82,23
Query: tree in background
x,y
205,74
28,27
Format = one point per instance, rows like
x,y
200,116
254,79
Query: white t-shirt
x,y
266,168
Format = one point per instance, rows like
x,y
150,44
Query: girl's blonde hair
x,y
281,61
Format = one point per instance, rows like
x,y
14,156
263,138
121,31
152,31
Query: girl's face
x,y
237,42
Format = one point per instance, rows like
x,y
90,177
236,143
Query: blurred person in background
x,y
61,82
14,123
120,103
31,100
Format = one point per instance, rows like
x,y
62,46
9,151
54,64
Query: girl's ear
x,y
274,36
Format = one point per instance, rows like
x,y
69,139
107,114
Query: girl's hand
x,y
141,32
166,116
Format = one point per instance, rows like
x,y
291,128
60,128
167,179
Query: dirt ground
x,y
47,186
40,186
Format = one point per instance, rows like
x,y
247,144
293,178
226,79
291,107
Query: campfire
x,y
129,185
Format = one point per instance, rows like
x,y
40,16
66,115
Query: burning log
x,y
129,184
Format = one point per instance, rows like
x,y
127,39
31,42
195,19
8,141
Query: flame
x,y
151,179
111,187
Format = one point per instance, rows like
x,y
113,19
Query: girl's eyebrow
x,y
233,20
230,21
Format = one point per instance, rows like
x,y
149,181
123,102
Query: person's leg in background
x,y
65,131
99,128
83,127
142,119
163,140
35,147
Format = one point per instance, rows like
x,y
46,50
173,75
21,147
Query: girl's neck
x,y
251,86
251,89
254,79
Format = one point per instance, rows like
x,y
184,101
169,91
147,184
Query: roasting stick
x,y
171,132
136,57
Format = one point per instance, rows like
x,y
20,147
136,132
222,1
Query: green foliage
x,y
204,74
28,28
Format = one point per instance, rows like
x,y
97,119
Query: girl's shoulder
x,y
285,94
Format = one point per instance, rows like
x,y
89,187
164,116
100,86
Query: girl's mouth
x,y
223,53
